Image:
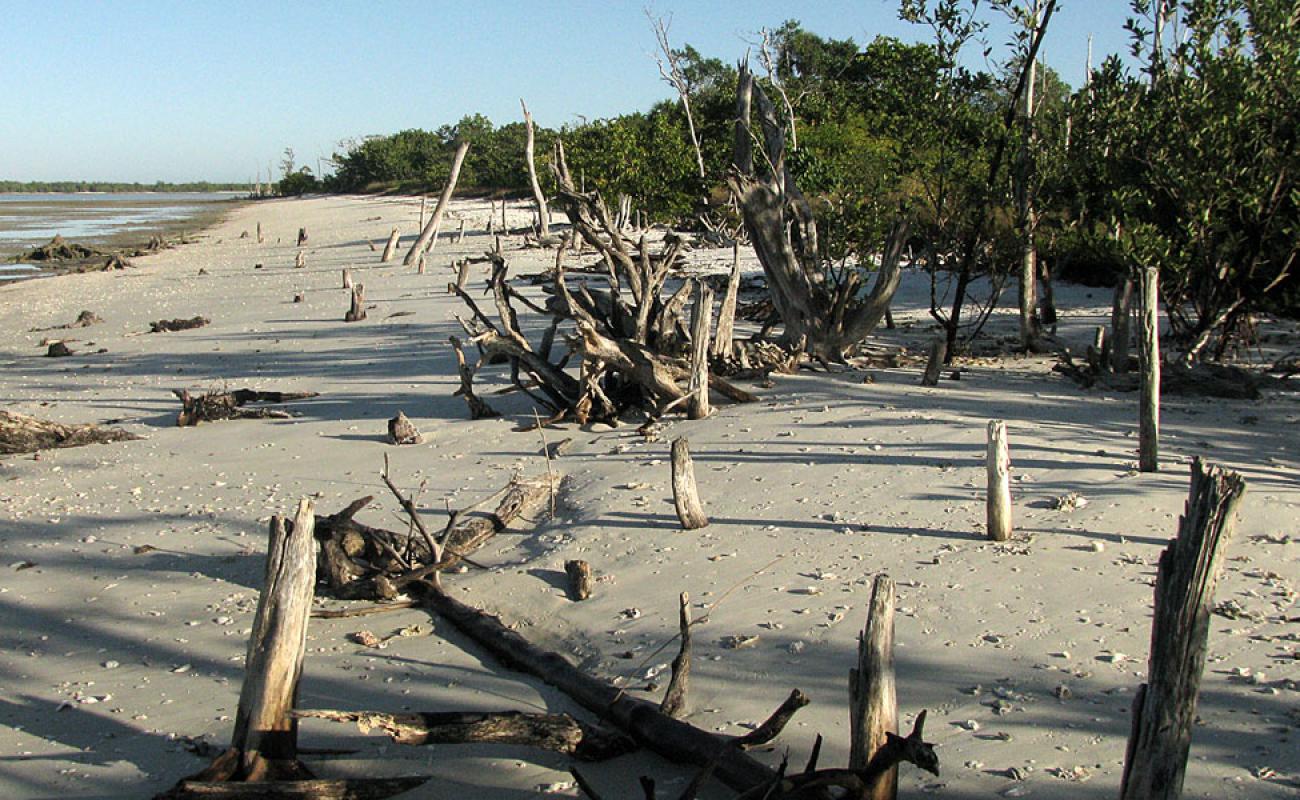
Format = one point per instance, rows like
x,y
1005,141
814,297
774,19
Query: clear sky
x,y
215,90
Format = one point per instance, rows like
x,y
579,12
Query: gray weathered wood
x,y
263,729
685,497
357,310
674,702
391,248
543,213
1165,709
429,234
1149,356
873,702
998,467
938,353
726,329
580,580
697,407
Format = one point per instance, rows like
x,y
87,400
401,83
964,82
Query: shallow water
x,y
30,220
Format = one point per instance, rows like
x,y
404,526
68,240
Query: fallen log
x,y
20,433
560,733
169,325
216,406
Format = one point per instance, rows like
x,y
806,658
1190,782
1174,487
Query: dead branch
x,y
20,433
216,406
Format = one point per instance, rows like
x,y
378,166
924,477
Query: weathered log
x,y
690,511
216,406
580,580
20,433
1164,709
938,353
998,469
429,234
560,733
873,703
314,789
357,310
1149,357
169,325
674,702
673,739
697,407
391,247
84,320
722,344
402,431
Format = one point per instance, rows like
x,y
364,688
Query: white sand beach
x,y
129,572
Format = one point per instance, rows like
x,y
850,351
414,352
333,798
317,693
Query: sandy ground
x,y
1026,654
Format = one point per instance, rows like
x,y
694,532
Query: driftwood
x,y
690,511
998,472
560,733
674,702
580,581
1149,358
216,406
873,704
478,407
58,349
84,320
20,433
402,431
357,310
543,212
169,325
315,789
59,249
1164,709
429,233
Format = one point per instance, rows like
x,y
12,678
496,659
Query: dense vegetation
x,y
116,186
1186,160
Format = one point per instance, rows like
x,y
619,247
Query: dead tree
x,y
670,69
1164,709
873,704
690,511
1149,356
216,406
391,248
430,232
543,211
822,308
357,308
998,474
20,433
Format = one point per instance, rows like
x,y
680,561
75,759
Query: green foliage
x,y
298,183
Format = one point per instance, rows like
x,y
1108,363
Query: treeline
x,y
1187,160
117,186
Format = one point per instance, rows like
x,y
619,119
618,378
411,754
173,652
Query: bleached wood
x,y
429,234
697,407
873,703
1149,356
391,248
998,465
685,497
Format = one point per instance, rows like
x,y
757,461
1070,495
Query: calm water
x,y
30,220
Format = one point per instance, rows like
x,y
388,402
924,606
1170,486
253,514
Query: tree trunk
x,y
697,407
689,509
543,213
873,703
580,581
391,247
1149,355
357,311
1164,710
722,337
934,365
264,731
1029,331
430,232
1121,324
998,467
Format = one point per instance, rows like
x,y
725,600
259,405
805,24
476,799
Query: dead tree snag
x,y
690,511
429,234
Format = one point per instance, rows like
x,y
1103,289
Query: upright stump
x,y
1149,355
697,407
391,248
357,311
873,701
685,498
998,465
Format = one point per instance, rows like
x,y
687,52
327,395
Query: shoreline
x,y
134,568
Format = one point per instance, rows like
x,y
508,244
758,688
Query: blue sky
x,y
144,91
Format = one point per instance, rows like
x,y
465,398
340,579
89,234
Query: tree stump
x,y
580,580
685,497
938,352
302,236
259,233
429,234
58,350
674,702
873,701
697,407
391,247
300,259
402,431
722,344
1164,709
998,466
357,311
347,279
1149,356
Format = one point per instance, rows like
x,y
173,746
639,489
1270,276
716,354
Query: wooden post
x,y
421,221
259,233
302,236
580,581
1121,317
938,352
998,464
689,509
264,731
347,279
1149,355
460,234
722,337
504,227
873,702
391,248
697,407
543,213
429,233
357,311
1164,709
